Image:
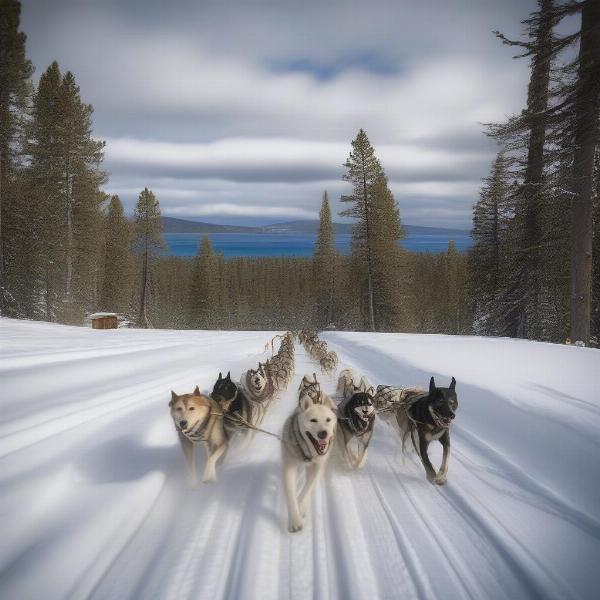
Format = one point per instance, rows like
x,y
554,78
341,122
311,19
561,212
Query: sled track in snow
x,y
95,503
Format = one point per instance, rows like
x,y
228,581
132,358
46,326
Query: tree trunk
x,y
69,257
369,266
330,311
142,318
2,281
587,108
537,103
48,291
1,236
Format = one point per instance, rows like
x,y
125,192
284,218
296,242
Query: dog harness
x,y
196,435
342,411
352,427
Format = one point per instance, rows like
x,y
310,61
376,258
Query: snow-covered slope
x,y
94,501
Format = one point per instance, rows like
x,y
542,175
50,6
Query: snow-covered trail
x,y
94,501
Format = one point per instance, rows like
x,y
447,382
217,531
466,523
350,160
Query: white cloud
x,y
239,210
260,159
199,103
436,189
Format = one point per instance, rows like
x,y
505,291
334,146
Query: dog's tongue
x,y
320,445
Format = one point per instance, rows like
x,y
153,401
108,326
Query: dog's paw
x,y
209,478
295,525
439,479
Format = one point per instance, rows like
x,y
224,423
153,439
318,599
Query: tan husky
x,y
199,419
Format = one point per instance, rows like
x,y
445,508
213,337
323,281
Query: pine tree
x,y
81,175
148,242
377,257
585,102
363,171
115,290
45,184
556,221
203,287
325,266
488,264
526,136
65,175
15,73
595,325
390,263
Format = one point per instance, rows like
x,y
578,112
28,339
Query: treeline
x,y
67,249
535,266
51,218
211,292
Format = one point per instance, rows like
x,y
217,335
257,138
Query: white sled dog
x,y
198,420
307,438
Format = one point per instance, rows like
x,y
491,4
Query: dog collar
x,y
196,435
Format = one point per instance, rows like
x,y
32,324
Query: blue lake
x,y
284,244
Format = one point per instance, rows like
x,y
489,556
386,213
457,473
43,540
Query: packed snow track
x,y
95,503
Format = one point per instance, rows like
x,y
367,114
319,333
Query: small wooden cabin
x,y
104,321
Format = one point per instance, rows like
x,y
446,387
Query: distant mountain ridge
x,y
173,225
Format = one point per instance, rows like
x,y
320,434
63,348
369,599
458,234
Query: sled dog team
x,y
317,349
230,408
415,414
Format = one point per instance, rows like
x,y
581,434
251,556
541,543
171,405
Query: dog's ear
x,y
174,398
220,376
431,386
305,402
371,391
228,378
453,384
197,391
362,386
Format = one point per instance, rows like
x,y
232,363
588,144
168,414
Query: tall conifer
x,y
65,175
525,134
15,73
377,229
203,287
115,289
325,266
147,243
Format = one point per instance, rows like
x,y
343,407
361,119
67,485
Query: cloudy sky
x,y
243,111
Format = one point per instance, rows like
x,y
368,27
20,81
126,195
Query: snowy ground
x,y
94,502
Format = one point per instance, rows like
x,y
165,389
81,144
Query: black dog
x,y
356,418
227,394
429,416
235,405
